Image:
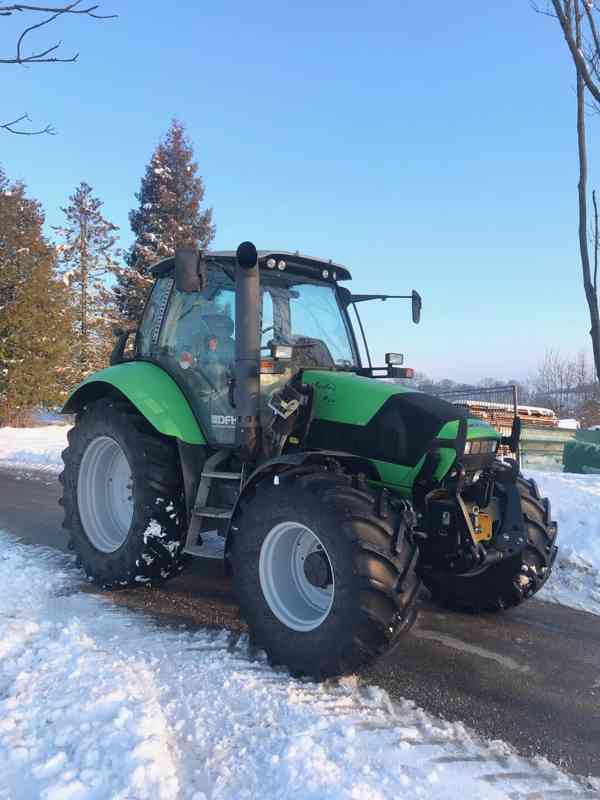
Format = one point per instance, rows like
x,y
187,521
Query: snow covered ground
x,y
575,501
33,448
97,702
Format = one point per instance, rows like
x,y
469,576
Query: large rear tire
x,y
122,497
513,580
323,578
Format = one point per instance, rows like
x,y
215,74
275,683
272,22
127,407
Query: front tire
x,y
122,497
513,580
325,581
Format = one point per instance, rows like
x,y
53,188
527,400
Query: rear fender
x,y
150,389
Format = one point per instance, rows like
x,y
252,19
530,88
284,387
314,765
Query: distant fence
x,y
497,405
542,442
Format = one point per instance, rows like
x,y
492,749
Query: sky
x,y
426,146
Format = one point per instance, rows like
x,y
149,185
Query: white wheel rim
x,y
105,494
295,601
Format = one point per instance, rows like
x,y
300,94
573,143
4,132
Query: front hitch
x,y
511,537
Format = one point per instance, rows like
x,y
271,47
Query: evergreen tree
x,y
169,215
87,257
35,318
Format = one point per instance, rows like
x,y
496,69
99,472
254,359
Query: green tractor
x,y
244,415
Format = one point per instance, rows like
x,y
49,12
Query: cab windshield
x,y
308,316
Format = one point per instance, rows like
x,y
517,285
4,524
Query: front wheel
x,y
323,578
513,580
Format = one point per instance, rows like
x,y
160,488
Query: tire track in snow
x,y
101,703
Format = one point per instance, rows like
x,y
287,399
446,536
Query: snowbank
x,y
96,702
575,501
33,448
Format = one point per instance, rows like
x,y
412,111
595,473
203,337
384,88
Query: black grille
x,y
473,463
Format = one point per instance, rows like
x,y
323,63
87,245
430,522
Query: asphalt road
x,y
530,677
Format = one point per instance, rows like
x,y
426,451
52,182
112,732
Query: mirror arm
x,y
361,298
117,354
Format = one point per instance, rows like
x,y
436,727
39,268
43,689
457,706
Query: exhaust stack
x,y
247,351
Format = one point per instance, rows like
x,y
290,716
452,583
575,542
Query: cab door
x,y
195,344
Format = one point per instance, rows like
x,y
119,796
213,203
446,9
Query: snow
x,y
97,702
36,448
575,501
568,424
537,411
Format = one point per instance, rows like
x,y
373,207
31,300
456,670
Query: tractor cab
x,y
189,329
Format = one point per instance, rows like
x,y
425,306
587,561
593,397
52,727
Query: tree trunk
x,y
591,290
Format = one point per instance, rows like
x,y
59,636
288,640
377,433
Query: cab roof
x,y
295,262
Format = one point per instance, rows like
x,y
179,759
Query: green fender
x,y
151,390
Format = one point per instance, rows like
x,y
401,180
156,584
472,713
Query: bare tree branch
x,y
541,11
574,16
10,127
565,16
71,8
44,56
592,24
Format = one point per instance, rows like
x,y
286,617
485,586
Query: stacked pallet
x,y
501,415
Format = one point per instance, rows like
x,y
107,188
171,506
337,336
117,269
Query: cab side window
x,y
199,330
196,345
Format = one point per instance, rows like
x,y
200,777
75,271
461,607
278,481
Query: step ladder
x,y
209,544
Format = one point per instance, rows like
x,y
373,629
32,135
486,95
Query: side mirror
x,y
190,270
417,304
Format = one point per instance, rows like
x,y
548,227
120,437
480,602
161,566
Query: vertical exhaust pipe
x,y
247,352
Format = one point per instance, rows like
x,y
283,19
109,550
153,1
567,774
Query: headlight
x,y
477,446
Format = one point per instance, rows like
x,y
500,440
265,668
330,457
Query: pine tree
x,y
35,317
87,258
168,216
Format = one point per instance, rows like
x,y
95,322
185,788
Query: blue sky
x,y
428,146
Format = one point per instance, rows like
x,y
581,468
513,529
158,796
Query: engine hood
x,y
383,420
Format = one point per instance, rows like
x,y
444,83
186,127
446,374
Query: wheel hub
x,y
317,569
296,576
104,494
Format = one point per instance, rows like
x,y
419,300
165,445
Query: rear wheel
x,y
322,577
511,581
122,497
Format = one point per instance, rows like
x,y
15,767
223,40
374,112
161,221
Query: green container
x,y
582,456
